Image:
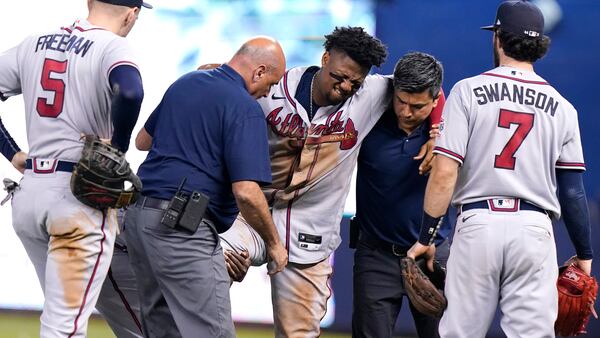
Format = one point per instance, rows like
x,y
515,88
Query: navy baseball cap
x,y
128,3
519,17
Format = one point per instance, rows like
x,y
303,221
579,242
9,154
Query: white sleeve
x,y
377,90
454,127
571,153
10,83
117,52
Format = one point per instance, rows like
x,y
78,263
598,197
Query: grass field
x,y
18,325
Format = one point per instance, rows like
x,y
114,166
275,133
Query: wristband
x,y
429,228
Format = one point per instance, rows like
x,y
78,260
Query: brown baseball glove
x,y
423,294
576,296
98,179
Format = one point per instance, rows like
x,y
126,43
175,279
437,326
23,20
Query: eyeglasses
x,y
355,84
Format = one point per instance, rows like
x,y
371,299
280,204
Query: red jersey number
x,y
57,86
506,159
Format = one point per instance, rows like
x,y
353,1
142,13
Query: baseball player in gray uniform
x,y
79,79
508,140
317,118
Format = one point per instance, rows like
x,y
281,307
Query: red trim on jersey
x,y
517,79
287,225
574,165
289,207
312,166
287,93
328,283
81,29
119,63
448,152
123,299
87,289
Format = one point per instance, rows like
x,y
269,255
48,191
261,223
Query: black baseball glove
x,y
99,177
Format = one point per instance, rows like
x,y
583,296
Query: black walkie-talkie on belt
x,y
176,206
185,212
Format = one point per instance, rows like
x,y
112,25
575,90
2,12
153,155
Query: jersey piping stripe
x,y
120,63
296,193
440,150
287,93
328,283
288,223
570,165
87,289
312,166
517,79
124,300
81,29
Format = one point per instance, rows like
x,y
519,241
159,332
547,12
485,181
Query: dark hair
x,y
364,49
523,48
416,72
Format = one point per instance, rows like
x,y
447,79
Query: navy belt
x,y
487,204
58,165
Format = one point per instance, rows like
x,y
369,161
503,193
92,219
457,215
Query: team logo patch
x,y
572,276
504,204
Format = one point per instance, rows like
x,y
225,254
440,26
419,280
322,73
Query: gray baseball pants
x,y
182,278
505,259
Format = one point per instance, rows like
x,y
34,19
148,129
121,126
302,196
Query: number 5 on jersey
x,y
524,121
57,86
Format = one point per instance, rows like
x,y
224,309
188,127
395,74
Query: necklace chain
x,y
310,116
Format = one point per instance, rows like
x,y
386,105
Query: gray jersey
x,y
312,162
60,104
510,130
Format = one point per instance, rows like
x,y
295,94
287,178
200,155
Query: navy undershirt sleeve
x,y
573,203
8,146
128,94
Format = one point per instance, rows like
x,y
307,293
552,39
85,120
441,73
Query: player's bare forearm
x,y
143,140
253,206
440,186
18,161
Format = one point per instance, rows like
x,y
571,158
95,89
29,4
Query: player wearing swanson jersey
x,y
80,79
508,141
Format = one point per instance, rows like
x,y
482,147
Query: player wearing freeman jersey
x,y
317,119
509,140
80,79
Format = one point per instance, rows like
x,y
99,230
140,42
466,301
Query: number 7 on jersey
x,y
524,121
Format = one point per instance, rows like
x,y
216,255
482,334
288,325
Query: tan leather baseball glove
x,y
425,296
